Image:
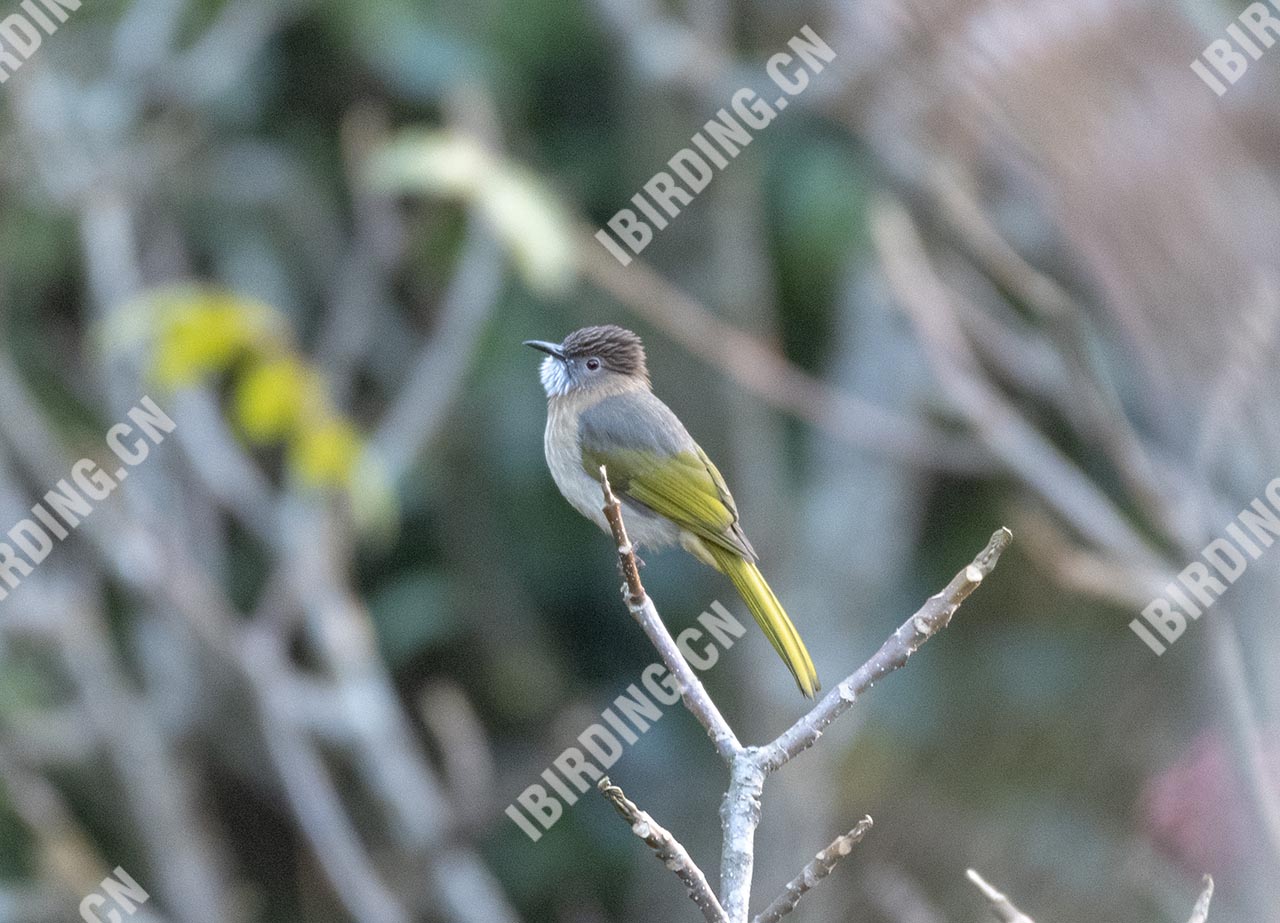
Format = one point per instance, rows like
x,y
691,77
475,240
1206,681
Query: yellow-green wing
x,y
652,460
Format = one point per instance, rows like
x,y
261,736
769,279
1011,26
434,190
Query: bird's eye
x,y
593,364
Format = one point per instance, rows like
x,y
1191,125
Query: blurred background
x,y
1002,263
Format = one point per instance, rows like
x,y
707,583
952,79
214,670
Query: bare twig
x,y
641,606
931,618
1002,906
1201,911
739,818
819,867
667,848
740,811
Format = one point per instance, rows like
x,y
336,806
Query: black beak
x,y
551,349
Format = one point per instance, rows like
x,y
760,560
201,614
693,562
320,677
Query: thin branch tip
x,y
612,509
668,851
818,868
1001,539
924,624
1000,904
1201,911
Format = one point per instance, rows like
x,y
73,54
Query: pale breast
x,y
564,459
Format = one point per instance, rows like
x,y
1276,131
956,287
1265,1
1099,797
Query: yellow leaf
x,y
274,397
325,454
204,331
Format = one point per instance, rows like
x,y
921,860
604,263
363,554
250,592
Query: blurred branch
x,y
224,52
1081,569
422,403
1087,398
221,465
151,560
1005,910
465,755
1022,449
668,849
819,867
360,302
1200,913
761,370
1045,469
316,802
158,790
896,895
665,51
667,54
151,551
420,406
1000,904
66,852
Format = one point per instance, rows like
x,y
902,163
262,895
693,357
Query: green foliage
x,y
412,615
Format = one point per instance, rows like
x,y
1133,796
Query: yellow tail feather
x,y
769,614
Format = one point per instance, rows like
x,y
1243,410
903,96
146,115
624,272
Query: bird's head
x,y
591,358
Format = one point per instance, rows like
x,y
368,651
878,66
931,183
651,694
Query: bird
x,y
601,411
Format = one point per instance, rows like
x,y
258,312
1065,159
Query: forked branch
x,y
740,812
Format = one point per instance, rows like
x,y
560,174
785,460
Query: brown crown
x,y
618,349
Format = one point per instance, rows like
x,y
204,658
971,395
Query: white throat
x,y
555,377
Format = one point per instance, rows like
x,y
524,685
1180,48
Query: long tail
x,y
769,614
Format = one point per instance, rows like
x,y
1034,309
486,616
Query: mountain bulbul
x,y
602,411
